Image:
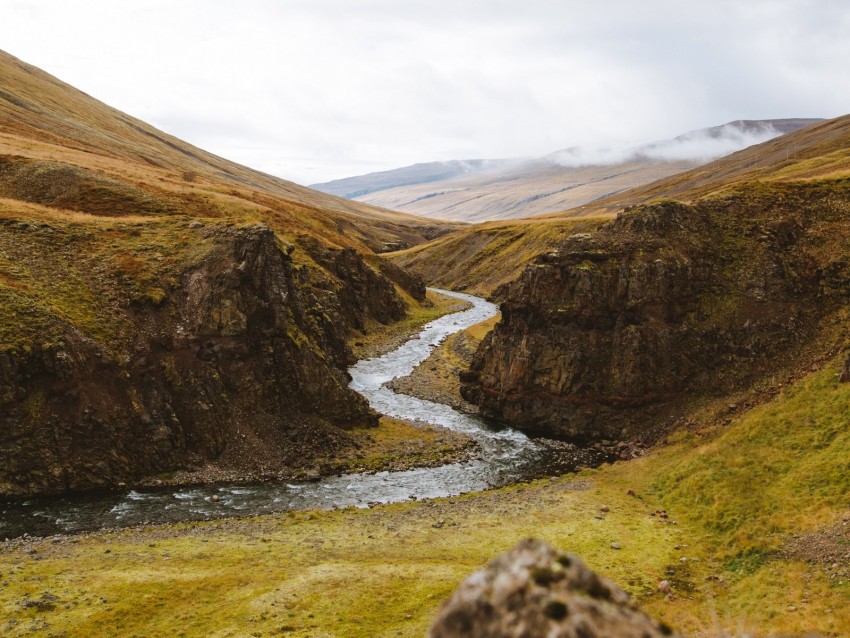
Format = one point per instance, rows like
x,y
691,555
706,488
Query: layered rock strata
x,y
609,334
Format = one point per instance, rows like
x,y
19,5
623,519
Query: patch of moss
x,y
82,273
34,407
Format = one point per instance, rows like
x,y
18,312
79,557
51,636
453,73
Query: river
x,y
506,456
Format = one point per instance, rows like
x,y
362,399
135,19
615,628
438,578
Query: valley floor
x,y
749,522
395,444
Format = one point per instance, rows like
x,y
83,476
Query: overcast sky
x,y
312,90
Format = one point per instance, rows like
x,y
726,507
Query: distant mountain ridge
x,y
420,173
481,190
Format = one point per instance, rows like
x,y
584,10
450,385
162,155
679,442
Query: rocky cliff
x,y
615,331
129,349
363,292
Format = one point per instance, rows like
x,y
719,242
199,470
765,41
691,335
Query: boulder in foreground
x,y
535,590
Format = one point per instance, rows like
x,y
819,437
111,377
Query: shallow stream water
x,y
506,456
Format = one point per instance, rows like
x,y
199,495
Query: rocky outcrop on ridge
x,y
236,350
536,590
609,334
363,292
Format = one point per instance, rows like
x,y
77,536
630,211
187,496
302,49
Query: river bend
x,y
505,456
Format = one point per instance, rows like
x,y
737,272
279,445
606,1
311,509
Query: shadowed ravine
x,y
506,456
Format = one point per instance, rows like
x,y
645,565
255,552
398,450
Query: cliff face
x,y
229,350
667,302
363,292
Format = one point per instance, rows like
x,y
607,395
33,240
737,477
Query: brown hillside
x,y
480,258
165,309
64,133
819,151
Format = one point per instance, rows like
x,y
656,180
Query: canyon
x,y
166,314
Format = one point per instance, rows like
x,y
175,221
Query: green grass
x,y
80,271
781,468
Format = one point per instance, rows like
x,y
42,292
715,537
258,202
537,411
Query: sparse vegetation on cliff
x,y
620,333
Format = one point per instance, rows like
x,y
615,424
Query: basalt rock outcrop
x,y
617,330
364,292
235,352
535,590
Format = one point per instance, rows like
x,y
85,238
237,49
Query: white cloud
x,y
317,89
702,145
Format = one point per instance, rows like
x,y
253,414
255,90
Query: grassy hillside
x,y
139,273
821,151
743,572
71,163
480,258
52,136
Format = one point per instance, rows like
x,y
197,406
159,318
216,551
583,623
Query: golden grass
x,y
481,258
480,330
53,123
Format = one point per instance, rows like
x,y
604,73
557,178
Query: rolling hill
x,y
46,121
482,190
820,151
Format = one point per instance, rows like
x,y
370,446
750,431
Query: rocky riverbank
x,y
436,379
391,446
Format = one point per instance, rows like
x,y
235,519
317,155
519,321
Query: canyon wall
x,y
613,332
236,354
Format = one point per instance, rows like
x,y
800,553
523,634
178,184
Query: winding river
x,y
506,456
